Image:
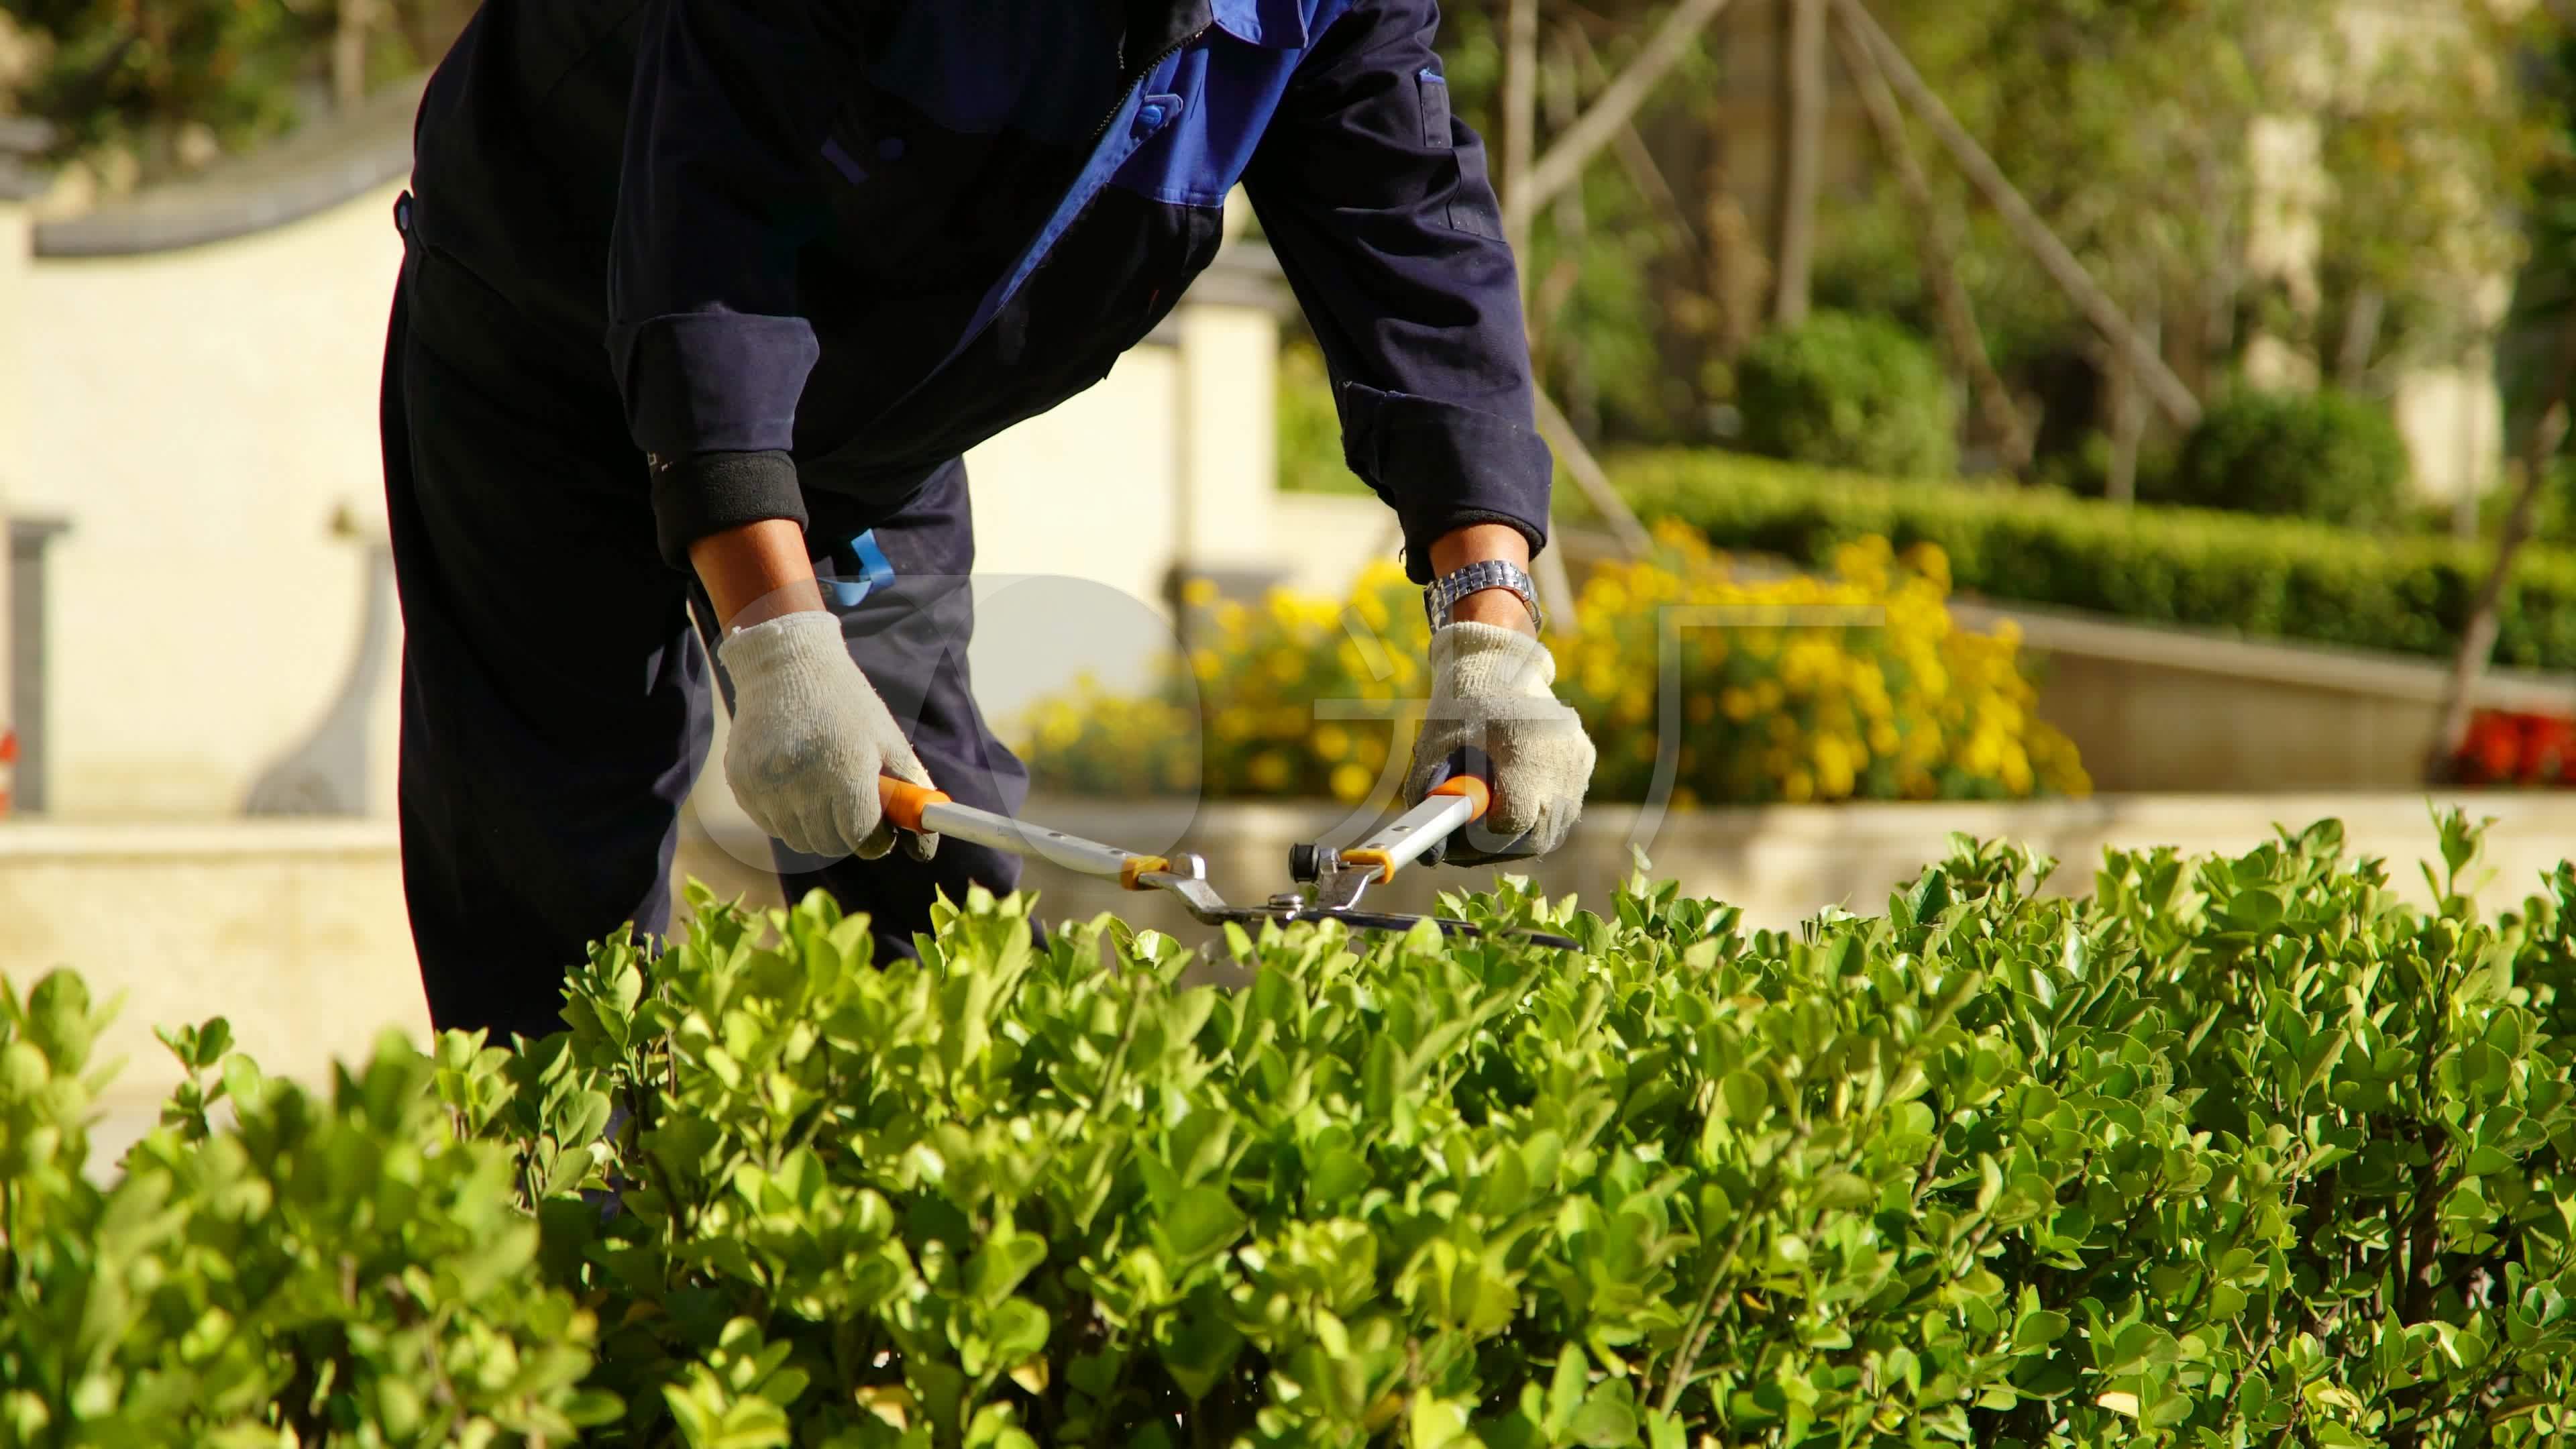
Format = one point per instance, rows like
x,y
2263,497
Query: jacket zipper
x,y
1167,52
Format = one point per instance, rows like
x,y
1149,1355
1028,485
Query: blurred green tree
x,y
2342,176
172,84
143,74
2326,171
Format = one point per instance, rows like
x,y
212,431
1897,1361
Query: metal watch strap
x,y
1444,592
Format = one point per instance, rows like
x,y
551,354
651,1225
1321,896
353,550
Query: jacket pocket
x,y
1434,89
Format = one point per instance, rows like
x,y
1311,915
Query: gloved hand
x,y
1492,690
810,737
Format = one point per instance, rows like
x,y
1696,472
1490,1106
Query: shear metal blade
x,y
1394,921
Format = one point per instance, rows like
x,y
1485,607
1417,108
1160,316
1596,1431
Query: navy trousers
x,y
556,700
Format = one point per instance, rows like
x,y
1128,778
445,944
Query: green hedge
x,y
341,1268
1849,391
2230,1152
2273,578
2326,456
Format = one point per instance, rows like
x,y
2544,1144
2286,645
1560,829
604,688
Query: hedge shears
x,y
1338,878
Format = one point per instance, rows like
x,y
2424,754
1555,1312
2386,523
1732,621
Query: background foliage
x,y
1849,391
154,88
341,1269
2173,139
2325,456
2267,578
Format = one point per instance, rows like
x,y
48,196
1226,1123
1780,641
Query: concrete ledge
x,y
2362,672
339,840
2159,709
294,932
1781,864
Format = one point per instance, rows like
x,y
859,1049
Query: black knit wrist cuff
x,y
706,493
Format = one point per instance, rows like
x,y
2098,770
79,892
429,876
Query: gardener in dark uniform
x,y
703,299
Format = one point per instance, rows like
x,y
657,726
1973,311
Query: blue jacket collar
x,y
1273,24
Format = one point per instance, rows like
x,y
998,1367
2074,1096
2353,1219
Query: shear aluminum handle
x,y
1341,877
1449,807
1453,804
922,810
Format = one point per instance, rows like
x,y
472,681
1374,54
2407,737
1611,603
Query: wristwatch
x,y
1444,592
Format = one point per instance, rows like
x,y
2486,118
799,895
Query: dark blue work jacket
x,y
831,244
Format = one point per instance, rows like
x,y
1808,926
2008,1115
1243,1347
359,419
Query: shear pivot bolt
x,y
1312,862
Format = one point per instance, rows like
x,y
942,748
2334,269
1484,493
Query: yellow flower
x,y
2016,771
1915,700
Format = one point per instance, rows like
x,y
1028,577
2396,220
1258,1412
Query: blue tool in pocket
x,y
859,569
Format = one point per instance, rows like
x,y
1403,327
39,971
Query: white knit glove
x,y
810,737
1492,690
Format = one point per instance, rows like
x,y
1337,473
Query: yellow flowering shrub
x,y
1853,686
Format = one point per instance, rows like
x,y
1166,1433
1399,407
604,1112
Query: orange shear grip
x,y
1478,795
904,801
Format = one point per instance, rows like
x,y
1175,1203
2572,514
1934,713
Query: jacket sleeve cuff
x,y
1443,467
704,493
713,382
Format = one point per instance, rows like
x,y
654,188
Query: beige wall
x,y
2453,421
201,416
1326,539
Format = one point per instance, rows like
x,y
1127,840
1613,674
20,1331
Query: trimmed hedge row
x,y
2269,578
2231,1152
